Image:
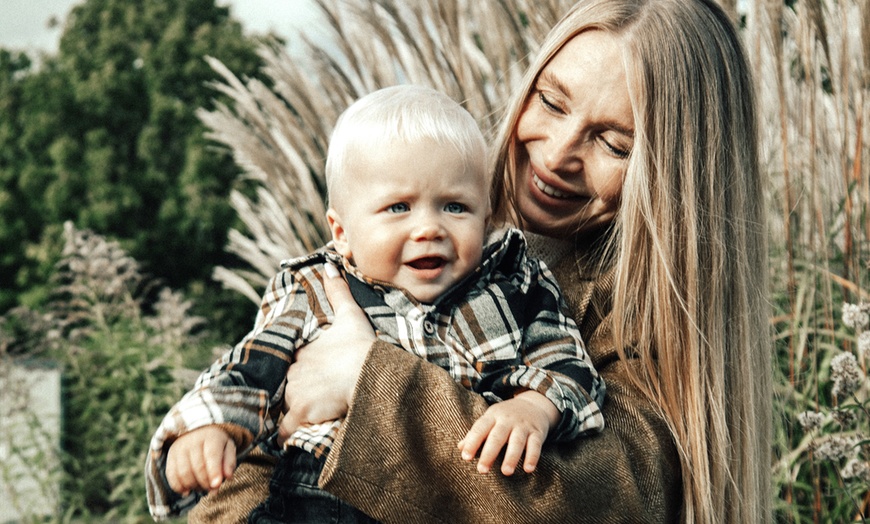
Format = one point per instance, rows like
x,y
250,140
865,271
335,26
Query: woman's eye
x,y
401,207
455,208
550,106
615,151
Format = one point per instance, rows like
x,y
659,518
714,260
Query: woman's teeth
x,y
549,190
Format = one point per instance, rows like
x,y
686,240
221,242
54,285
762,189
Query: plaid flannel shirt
x,y
502,328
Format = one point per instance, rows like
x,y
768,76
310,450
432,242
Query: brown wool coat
x,y
396,457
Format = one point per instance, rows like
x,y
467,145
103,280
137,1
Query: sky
x,y
24,24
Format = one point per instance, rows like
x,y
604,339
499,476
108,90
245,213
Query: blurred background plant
x,y
124,364
125,340
813,62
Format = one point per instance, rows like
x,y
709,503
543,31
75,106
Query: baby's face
x,y
412,215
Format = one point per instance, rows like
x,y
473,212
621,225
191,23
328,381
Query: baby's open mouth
x,y
424,263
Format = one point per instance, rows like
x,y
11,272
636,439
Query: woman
x,y
631,149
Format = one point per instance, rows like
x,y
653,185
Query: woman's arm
x,y
396,456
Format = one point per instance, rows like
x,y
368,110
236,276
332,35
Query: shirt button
x,y
428,327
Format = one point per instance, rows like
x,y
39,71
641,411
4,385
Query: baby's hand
x,y
200,460
522,422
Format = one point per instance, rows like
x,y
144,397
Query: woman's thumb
x,y
336,289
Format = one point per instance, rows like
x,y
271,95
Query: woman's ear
x,y
339,235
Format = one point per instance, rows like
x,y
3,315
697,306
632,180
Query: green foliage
x,y
124,365
105,134
117,388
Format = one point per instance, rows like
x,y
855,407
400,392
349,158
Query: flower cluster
x,y
837,447
843,442
864,344
856,469
811,420
846,374
856,316
844,417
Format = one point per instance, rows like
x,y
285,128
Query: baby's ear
x,y
339,235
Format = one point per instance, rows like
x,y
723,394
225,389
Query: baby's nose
x,y
427,229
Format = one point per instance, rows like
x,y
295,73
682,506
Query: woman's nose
x,y
563,153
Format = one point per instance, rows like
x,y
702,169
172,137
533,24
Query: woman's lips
x,y
548,189
552,196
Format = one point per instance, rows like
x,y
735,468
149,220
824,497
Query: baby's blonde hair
x,y
402,113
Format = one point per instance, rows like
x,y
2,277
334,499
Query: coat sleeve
x,y
396,457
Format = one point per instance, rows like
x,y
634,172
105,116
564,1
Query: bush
x,y
124,363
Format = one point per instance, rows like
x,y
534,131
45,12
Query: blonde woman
x,y
630,154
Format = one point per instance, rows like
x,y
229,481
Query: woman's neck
x,y
550,250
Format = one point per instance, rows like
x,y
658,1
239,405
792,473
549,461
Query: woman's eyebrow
x,y
554,82
619,128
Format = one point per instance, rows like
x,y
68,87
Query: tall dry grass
x,y
812,61
474,51
813,72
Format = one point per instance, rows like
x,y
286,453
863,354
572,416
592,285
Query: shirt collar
x,y
504,250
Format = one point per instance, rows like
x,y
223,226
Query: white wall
x,y
30,420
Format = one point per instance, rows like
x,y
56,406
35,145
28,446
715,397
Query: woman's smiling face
x,y
575,134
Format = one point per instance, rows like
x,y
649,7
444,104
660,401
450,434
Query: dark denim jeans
x,y
294,497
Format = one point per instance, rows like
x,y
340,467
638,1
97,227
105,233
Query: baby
x,y
409,212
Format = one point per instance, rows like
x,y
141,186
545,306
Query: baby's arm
x,y
521,422
239,395
200,460
560,390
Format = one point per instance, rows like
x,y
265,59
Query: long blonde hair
x,y
689,242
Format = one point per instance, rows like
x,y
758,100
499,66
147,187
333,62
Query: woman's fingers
x,y
338,294
321,380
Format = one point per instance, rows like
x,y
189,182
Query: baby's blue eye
x,y
455,208
401,207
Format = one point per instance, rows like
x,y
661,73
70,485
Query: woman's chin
x,y
548,228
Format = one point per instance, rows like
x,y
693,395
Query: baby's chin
x,y
427,297
427,294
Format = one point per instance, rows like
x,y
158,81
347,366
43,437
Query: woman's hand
x,y
321,380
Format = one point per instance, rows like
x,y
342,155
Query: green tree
x,y
107,137
32,106
14,226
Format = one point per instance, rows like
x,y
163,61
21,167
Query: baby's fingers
x,y
472,441
513,452
199,469
533,452
220,462
181,470
229,459
495,441
178,473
